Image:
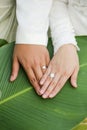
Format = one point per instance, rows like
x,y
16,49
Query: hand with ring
x,y
64,65
32,58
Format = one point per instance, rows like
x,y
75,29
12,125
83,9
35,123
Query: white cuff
x,y
63,40
26,37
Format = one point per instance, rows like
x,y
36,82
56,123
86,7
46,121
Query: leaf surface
x,y
22,109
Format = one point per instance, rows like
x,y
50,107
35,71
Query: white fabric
x,y
8,21
33,21
66,19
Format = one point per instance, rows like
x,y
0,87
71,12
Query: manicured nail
x,y
12,78
41,82
75,84
51,95
44,96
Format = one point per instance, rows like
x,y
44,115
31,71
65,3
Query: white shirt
x,y
66,19
33,21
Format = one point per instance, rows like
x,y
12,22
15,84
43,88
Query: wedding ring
x,y
44,67
52,75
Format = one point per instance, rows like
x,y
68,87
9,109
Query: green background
x,y
22,109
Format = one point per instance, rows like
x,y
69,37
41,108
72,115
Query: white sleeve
x,y
61,28
33,21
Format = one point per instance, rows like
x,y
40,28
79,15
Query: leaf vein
x,y
83,65
15,95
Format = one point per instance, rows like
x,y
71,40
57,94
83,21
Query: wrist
x,y
69,46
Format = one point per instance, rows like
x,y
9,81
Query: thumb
x,y
74,78
15,69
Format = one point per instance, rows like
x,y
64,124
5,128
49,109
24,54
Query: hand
x,y
32,58
65,64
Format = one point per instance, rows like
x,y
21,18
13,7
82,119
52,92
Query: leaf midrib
x,y
15,95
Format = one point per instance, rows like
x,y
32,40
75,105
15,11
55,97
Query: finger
x,y
44,68
46,63
74,78
48,71
15,69
47,60
51,86
38,72
46,84
32,78
59,86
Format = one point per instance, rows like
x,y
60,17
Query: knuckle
x,y
39,78
67,74
33,80
36,63
53,83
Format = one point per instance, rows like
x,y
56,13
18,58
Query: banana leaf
x,y
22,109
81,126
3,42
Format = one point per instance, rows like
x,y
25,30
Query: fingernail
x,y
44,96
41,91
75,85
12,78
51,95
41,82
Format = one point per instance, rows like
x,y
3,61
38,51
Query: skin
x,y
65,65
32,58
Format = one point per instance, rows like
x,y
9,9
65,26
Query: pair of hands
x,y
64,65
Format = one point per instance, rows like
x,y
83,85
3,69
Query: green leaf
x,y
81,126
22,109
3,42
